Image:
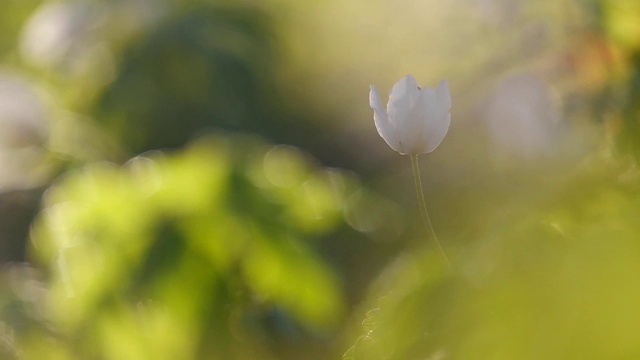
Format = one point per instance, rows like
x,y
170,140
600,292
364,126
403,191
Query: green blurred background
x,y
202,180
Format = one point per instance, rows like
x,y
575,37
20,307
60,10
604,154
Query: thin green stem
x,y
423,206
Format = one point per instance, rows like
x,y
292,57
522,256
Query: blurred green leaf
x,y
147,257
558,282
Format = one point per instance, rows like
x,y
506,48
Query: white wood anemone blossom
x,y
416,119
415,122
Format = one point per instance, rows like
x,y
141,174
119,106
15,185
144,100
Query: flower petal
x,y
381,119
437,119
416,130
402,97
437,129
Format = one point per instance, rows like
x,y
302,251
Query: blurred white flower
x,y
25,132
416,119
66,36
524,121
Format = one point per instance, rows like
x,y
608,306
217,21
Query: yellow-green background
x,y
203,180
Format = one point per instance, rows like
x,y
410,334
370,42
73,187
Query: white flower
x,y
416,119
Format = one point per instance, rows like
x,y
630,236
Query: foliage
x,y
230,248
559,282
189,255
